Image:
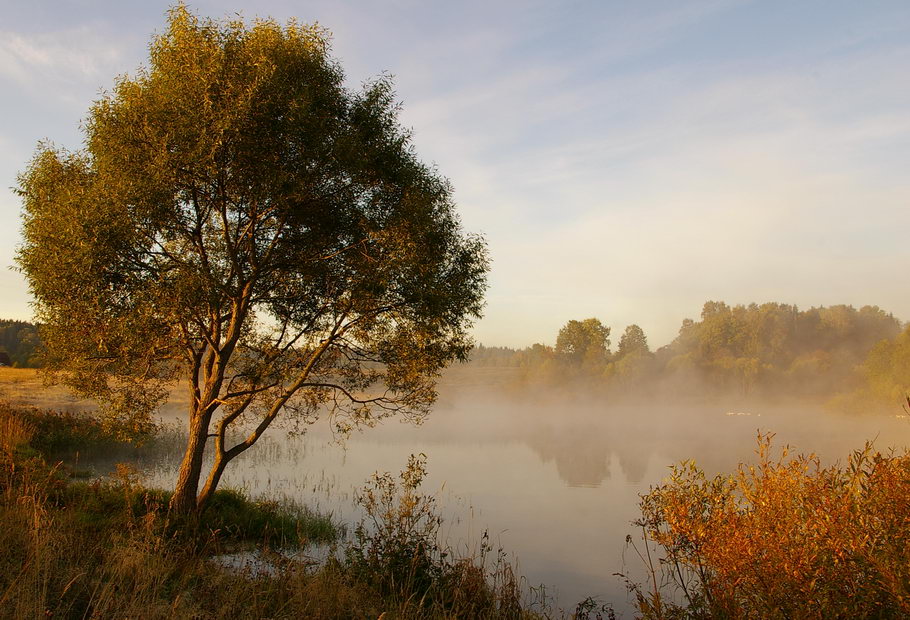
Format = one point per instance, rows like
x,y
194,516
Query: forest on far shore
x,y
19,344
852,359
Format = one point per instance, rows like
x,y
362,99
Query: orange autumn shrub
x,y
785,538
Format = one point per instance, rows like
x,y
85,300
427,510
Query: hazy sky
x,y
625,160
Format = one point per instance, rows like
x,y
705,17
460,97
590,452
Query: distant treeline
x,y
18,344
755,350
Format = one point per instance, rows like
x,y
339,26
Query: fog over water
x,y
554,478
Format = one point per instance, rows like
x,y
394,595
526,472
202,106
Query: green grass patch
x,y
284,524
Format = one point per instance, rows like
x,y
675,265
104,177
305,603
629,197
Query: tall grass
x,y
15,431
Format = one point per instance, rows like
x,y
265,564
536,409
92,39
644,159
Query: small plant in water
x,y
397,539
396,549
592,609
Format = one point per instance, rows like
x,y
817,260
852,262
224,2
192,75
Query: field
x,y
26,387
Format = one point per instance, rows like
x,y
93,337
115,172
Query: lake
x,y
555,481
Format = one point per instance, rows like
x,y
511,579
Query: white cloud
x,y
56,63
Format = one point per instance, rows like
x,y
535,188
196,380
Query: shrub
x,y
785,538
396,550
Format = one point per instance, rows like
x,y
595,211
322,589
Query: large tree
x,y
242,221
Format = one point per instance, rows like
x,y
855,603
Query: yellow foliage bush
x,y
785,538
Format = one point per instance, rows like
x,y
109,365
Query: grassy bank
x,y
106,549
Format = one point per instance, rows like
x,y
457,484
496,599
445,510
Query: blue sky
x,y
625,160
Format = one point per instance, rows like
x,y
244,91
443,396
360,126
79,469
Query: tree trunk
x,y
184,499
212,483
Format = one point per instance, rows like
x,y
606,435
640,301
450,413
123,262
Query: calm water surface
x,y
556,484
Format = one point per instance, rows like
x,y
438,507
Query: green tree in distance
x,y
19,341
243,222
584,343
633,363
887,369
633,342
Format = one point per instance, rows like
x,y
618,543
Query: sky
x,y
624,160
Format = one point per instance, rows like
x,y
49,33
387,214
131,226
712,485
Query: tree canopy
x,y
243,221
19,343
633,342
584,342
887,369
